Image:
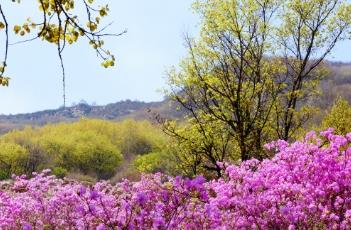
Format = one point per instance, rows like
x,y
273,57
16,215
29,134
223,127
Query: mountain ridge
x,y
337,84
137,110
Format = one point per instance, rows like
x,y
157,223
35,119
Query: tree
x,y
62,26
199,147
254,68
308,33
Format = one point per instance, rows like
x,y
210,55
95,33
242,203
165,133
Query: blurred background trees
x,y
95,148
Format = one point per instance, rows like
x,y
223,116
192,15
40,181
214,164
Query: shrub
x,y
59,172
90,146
339,117
156,162
13,159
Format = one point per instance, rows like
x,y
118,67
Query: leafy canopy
x,y
251,75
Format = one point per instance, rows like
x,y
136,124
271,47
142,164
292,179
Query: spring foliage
x,y
339,117
251,74
90,147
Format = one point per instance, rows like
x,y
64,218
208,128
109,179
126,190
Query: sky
x,y
154,42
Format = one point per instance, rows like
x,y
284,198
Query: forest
x,y
254,131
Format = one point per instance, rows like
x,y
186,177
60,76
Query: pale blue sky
x,y
154,42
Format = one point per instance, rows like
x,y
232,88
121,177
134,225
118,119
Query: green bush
x,y
13,159
156,162
60,172
90,147
339,117
85,151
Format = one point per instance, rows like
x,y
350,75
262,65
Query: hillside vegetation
x,y
115,111
89,147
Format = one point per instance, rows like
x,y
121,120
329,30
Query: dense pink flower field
x,y
307,185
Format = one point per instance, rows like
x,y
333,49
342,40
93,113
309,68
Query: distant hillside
x,y
337,84
114,111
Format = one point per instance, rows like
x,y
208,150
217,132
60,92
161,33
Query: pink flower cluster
x,y
307,185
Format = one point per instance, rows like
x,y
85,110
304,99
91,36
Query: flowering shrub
x,y
307,185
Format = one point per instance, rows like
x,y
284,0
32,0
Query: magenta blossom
x,y
306,185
